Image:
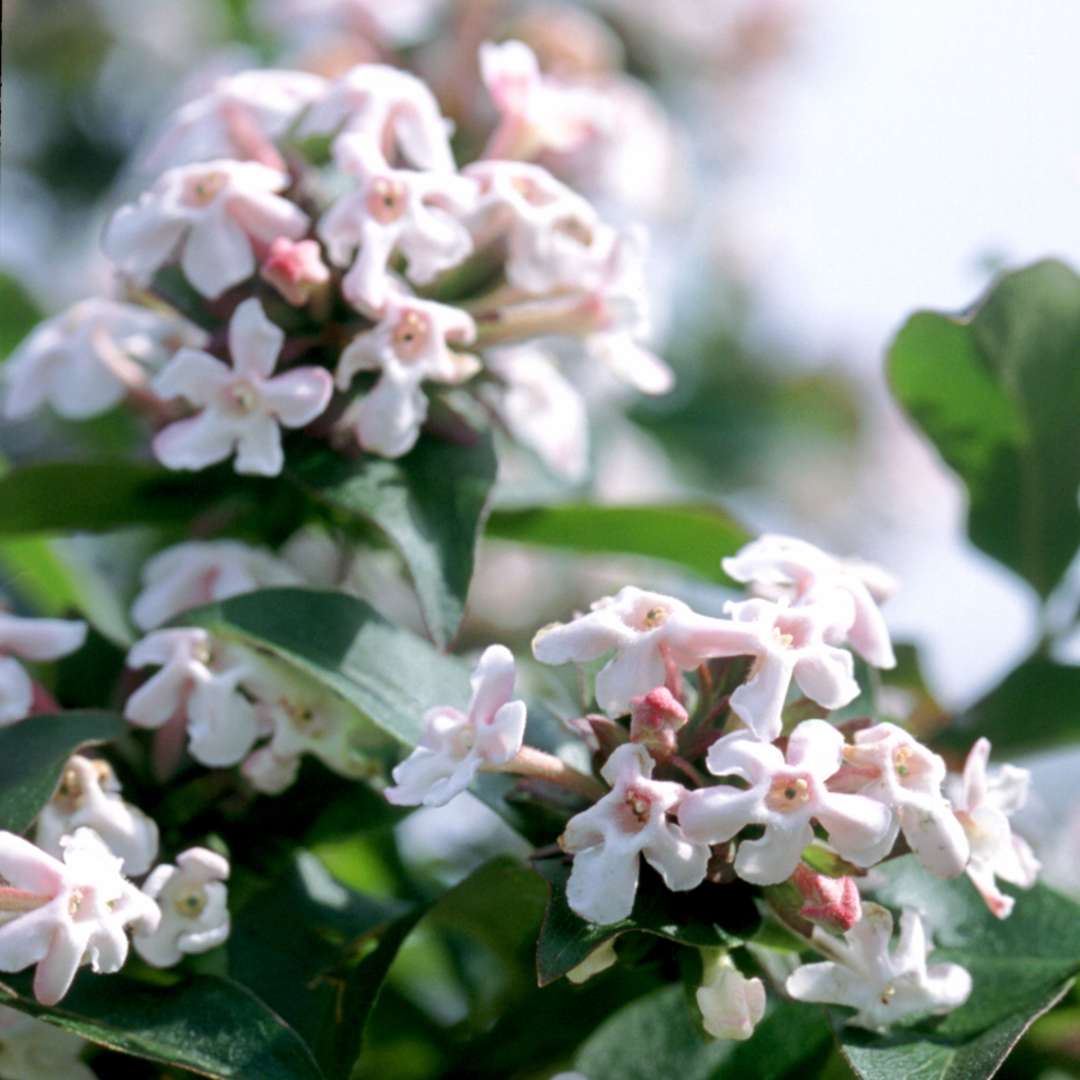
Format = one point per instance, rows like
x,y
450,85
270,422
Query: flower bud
x,y
295,269
731,1005
655,718
834,902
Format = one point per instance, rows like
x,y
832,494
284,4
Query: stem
x,y
685,767
19,901
541,766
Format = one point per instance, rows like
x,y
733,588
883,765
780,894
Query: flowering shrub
x,y
323,317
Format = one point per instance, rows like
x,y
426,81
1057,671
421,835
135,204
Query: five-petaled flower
x,y
630,822
30,639
456,745
242,408
884,984
60,915
785,795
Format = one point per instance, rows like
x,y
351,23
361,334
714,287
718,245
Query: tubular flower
x,y
785,566
83,361
242,407
211,213
888,765
983,804
188,575
30,639
194,908
629,822
884,984
409,346
68,913
222,724
393,210
785,795
89,795
731,1004
456,745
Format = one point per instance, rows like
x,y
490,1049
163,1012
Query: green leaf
x,y
657,1035
695,536
710,916
1044,693
998,393
429,505
212,1026
1019,966
19,313
33,753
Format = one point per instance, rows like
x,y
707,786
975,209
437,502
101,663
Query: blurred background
x,y
809,176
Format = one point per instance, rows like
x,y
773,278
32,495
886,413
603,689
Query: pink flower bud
x,y
295,269
835,902
655,717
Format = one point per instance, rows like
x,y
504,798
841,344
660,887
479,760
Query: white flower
x,y
194,912
785,796
222,724
456,745
211,212
191,574
415,214
884,985
34,1050
74,911
984,801
647,631
30,639
409,346
629,822
783,565
268,773
83,361
731,1004
242,407
887,764
89,794
240,117
387,107
541,408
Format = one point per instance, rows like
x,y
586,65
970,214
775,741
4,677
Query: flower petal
x,y
217,255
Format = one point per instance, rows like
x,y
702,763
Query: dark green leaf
x,y
429,504
998,393
711,915
212,1026
19,313
695,536
32,755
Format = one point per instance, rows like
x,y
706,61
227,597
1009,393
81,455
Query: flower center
x,y
785,641
788,793
385,200
887,995
75,902
654,617
191,903
202,190
241,397
901,759
635,810
411,335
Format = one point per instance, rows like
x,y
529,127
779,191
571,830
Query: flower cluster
x,y
374,245
785,788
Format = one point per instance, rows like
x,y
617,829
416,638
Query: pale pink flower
x,y
73,912
984,801
884,984
409,346
731,1004
647,631
89,794
83,361
211,213
268,773
536,112
194,683
785,566
785,794
541,408
415,214
242,407
392,111
240,117
456,745
199,572
295,268
889,765
34,1050
30,639
630,822
832,901
194,908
